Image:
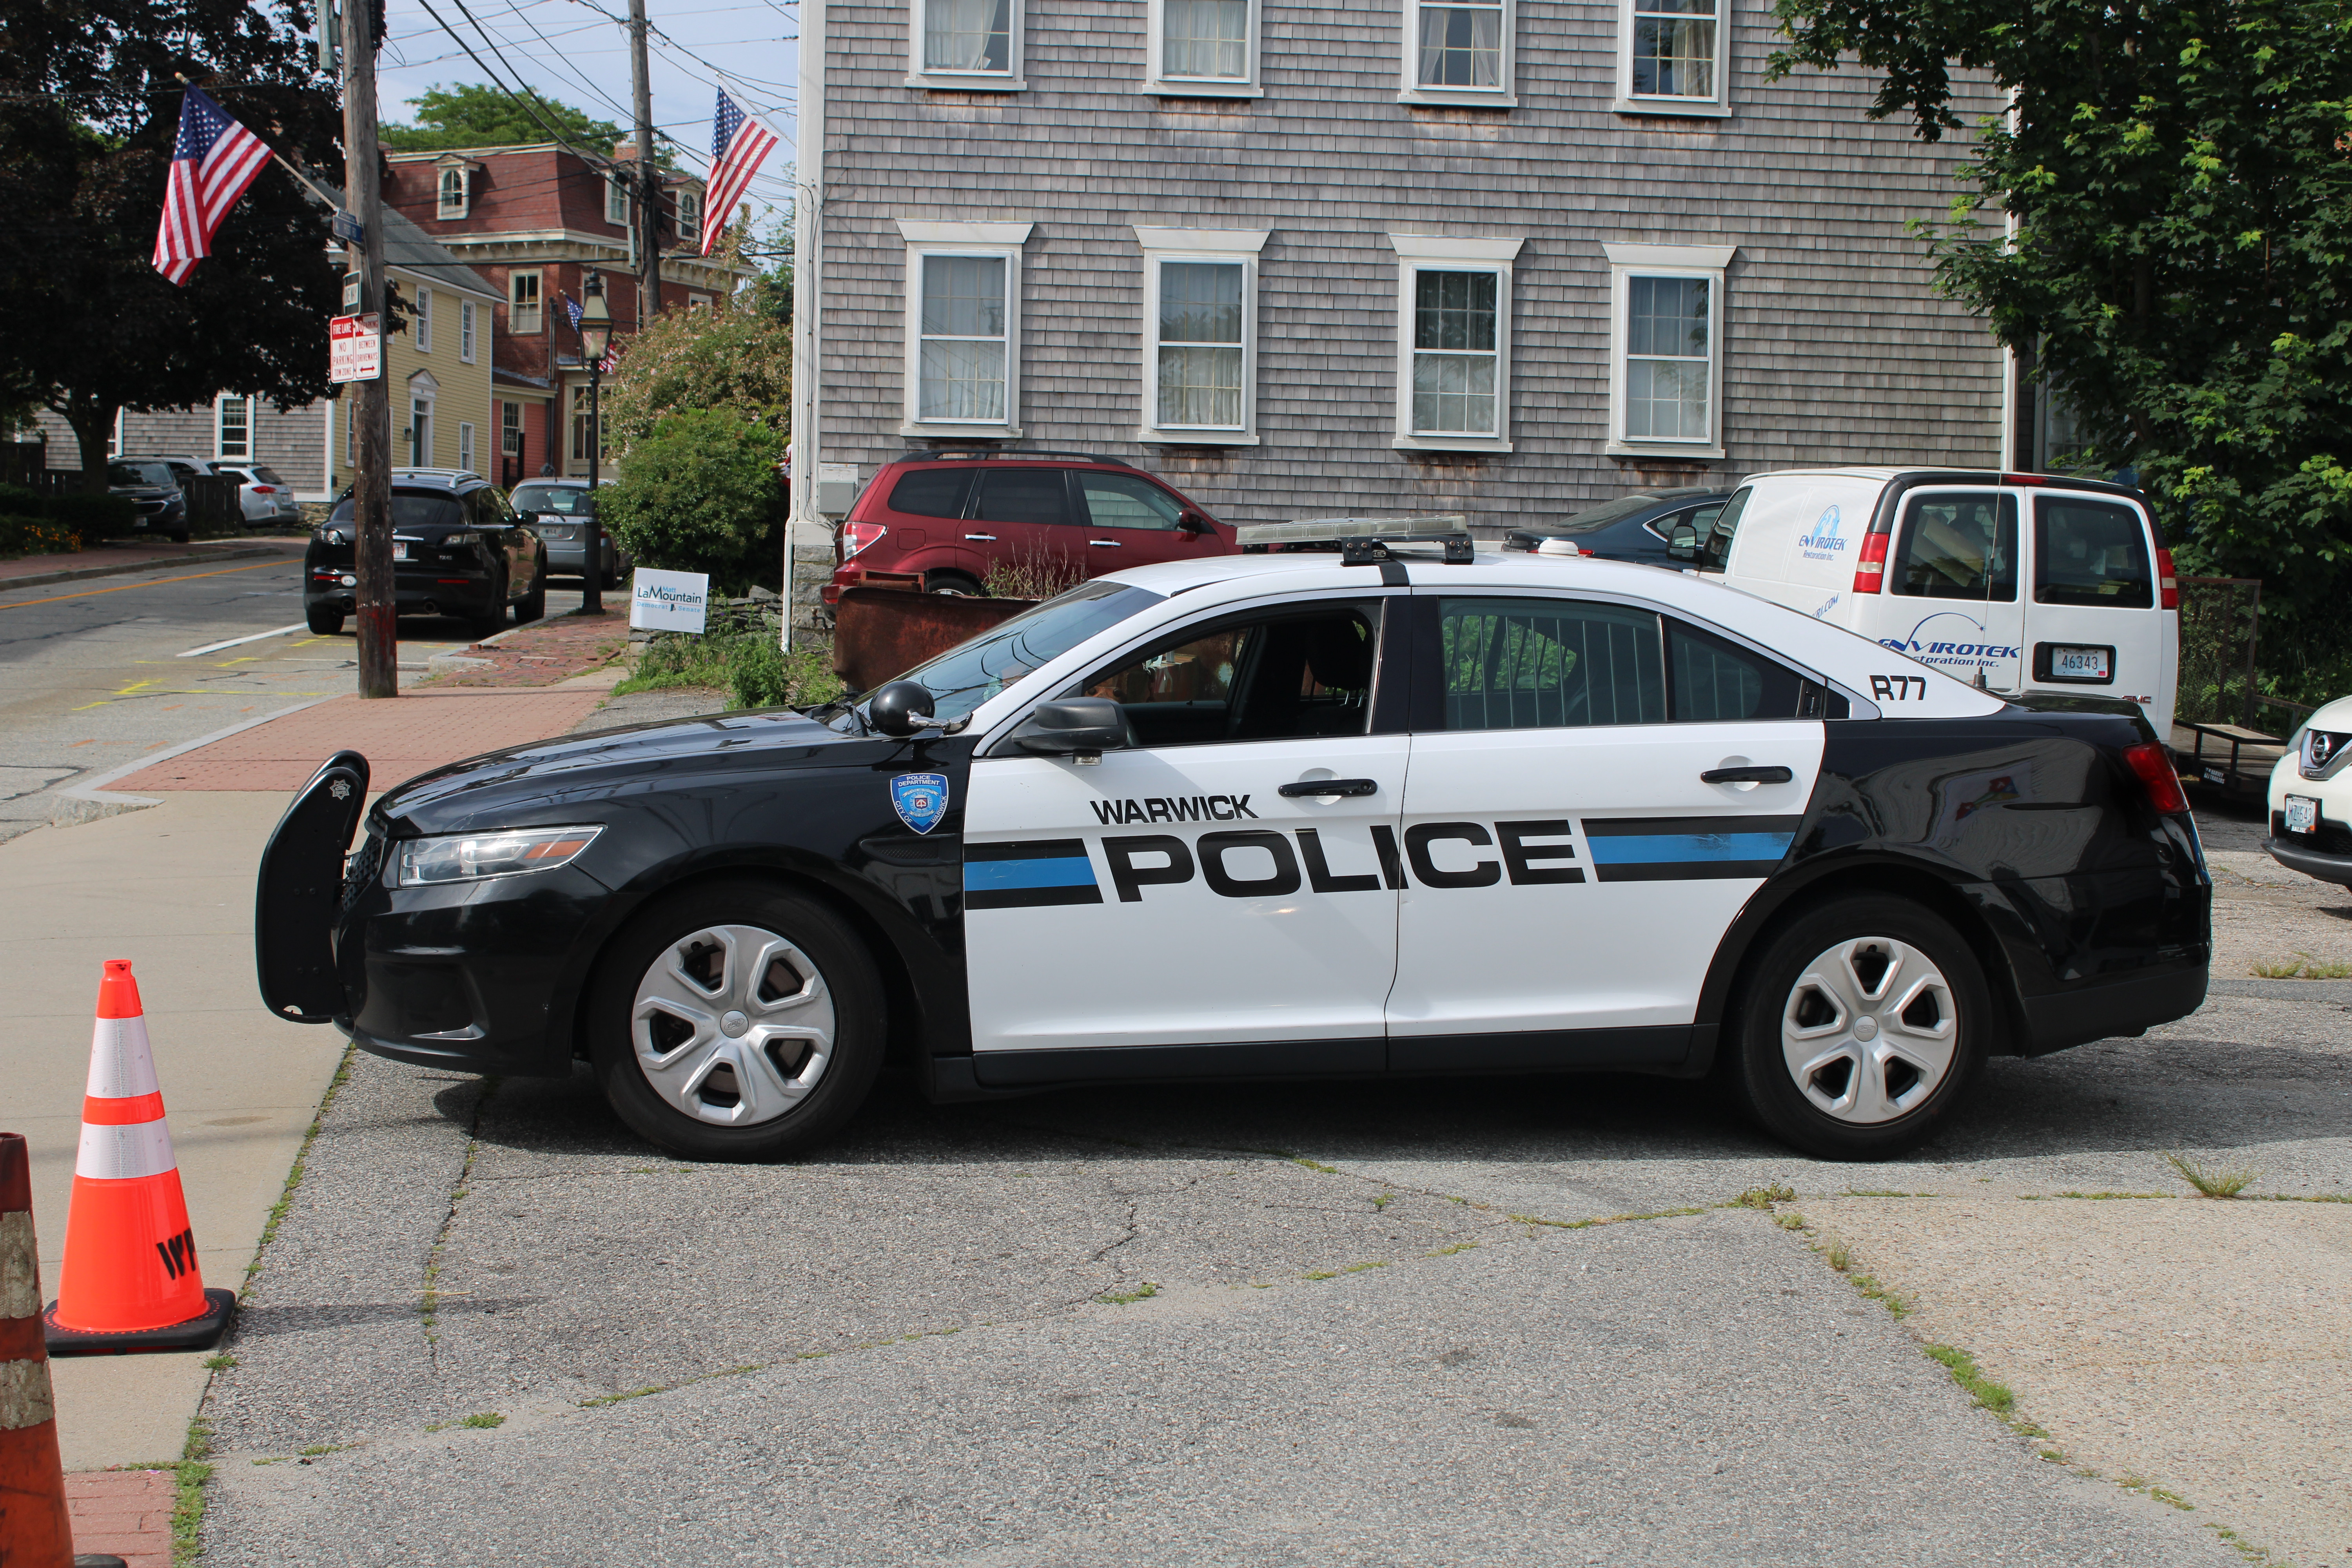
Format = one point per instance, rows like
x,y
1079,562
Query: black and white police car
x,y
1279,815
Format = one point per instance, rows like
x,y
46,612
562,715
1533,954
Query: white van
x,y
2013,582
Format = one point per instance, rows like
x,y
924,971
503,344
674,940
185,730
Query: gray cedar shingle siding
x,y
1835,348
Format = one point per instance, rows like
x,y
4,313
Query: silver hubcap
x,y
733,1026
1869,1029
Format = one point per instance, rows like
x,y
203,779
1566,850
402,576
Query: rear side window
x,y
1959,545
1530,664
1711,678
1117,500
2090,553
1023,495
931,493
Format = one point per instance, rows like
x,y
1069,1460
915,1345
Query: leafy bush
x,y
700,494
17,501
748,664
93,517
21,535
737,356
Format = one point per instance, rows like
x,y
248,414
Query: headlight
x,y
477,856
462,539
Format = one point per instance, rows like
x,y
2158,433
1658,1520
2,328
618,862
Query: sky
x,y
578,51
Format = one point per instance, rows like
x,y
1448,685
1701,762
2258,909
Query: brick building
x,y
533,219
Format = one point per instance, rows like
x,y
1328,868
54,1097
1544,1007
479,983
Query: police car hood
x,y
570,779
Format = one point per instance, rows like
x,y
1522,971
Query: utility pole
x,y
371,413
641,99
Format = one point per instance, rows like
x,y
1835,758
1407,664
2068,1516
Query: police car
x,y
1387,809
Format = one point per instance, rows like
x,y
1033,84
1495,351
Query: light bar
x,y
1362,541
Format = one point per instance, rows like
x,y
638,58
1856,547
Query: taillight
x,y
1870,571
2166,584
265,490
2153,763
857,536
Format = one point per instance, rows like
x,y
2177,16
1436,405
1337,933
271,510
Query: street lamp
x,y
595,339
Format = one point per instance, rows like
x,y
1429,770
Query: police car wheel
x,y
736,1021
1860,1024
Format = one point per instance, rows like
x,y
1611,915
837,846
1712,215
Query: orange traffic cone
x,y
129,1279
34,1530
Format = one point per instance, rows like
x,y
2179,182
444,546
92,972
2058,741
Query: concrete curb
x,y
48,579
88,800
2337,991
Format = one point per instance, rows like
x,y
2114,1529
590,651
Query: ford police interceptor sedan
x,y
1277,816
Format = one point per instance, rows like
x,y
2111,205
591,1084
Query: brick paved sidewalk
x,y
125,1512
539,654
400,738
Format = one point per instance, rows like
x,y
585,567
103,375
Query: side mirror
x,y
1192,522
1072,727
894,709
1683,545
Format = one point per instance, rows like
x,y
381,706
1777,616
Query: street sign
x,y
670,601
348,229
354,348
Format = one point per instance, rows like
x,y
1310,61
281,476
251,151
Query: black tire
x,y
180,536
845,980
531,605
953,583
323,622
1874,1103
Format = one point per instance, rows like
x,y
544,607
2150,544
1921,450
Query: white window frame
x,y
1000,240
114,436
510,428
700,301
1221,244
466,444
1716,107
1504,95
928,80
422,393
538,307
1158,83
1627,262
442,206
689,217
220,445
1419,253
616,186
466,331
420,321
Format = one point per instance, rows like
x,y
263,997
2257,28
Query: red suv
x,y
1053,517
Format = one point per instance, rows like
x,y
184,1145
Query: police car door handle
x,y
1330,786
1746,775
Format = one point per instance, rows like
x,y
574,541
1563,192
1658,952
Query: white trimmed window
x,y
1672,57
465,446
965,45
421,320
233,427
964,328
616,198
1200,335
1665,338
1454,343
522,303
420,389
1202,48
689,213
1460,52
456,193
466,331
698,301
510,429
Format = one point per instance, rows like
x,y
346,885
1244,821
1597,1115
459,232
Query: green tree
x,y
701,493
90,108
2180,265
738,356
473,116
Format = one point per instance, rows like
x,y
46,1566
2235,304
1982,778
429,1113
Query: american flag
x,y
213,162
738,145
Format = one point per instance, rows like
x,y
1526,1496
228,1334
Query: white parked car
x,y
2311,797
2015,582
265,495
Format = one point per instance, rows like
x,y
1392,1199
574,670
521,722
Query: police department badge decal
x,y
921,799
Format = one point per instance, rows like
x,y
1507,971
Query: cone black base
x,y
200,1332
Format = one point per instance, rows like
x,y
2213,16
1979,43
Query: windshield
x,y
562,500
969,674
140,474
412,512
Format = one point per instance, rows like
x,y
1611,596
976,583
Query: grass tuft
x,y
1765,1197
487,1418
2302,966
2213,1184
1993,1396
1143,1292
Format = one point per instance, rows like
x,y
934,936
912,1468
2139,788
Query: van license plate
x,y
2079,663
399,550
2301,814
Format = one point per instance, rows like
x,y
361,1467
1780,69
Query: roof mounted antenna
x,y
1364,540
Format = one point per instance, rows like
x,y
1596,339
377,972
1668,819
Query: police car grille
x,y
2333,837
360,871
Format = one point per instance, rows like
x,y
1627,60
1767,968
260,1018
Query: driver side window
x,y
1274,678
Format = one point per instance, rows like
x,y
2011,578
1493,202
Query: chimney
x,y
625,150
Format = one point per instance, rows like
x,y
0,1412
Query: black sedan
x,y
1637,527
458,549
152,489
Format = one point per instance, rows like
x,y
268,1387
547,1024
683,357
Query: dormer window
x,y
689,213
616,199
452,194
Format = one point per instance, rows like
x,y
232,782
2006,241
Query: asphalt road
x,y
92,674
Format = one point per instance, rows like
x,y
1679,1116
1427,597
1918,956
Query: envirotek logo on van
x,y
1823,544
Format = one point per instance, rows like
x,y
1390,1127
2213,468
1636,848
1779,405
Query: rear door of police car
x,y
1196,889
1597,788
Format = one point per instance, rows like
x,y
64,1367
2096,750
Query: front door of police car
x,y
1174,893
1571,866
